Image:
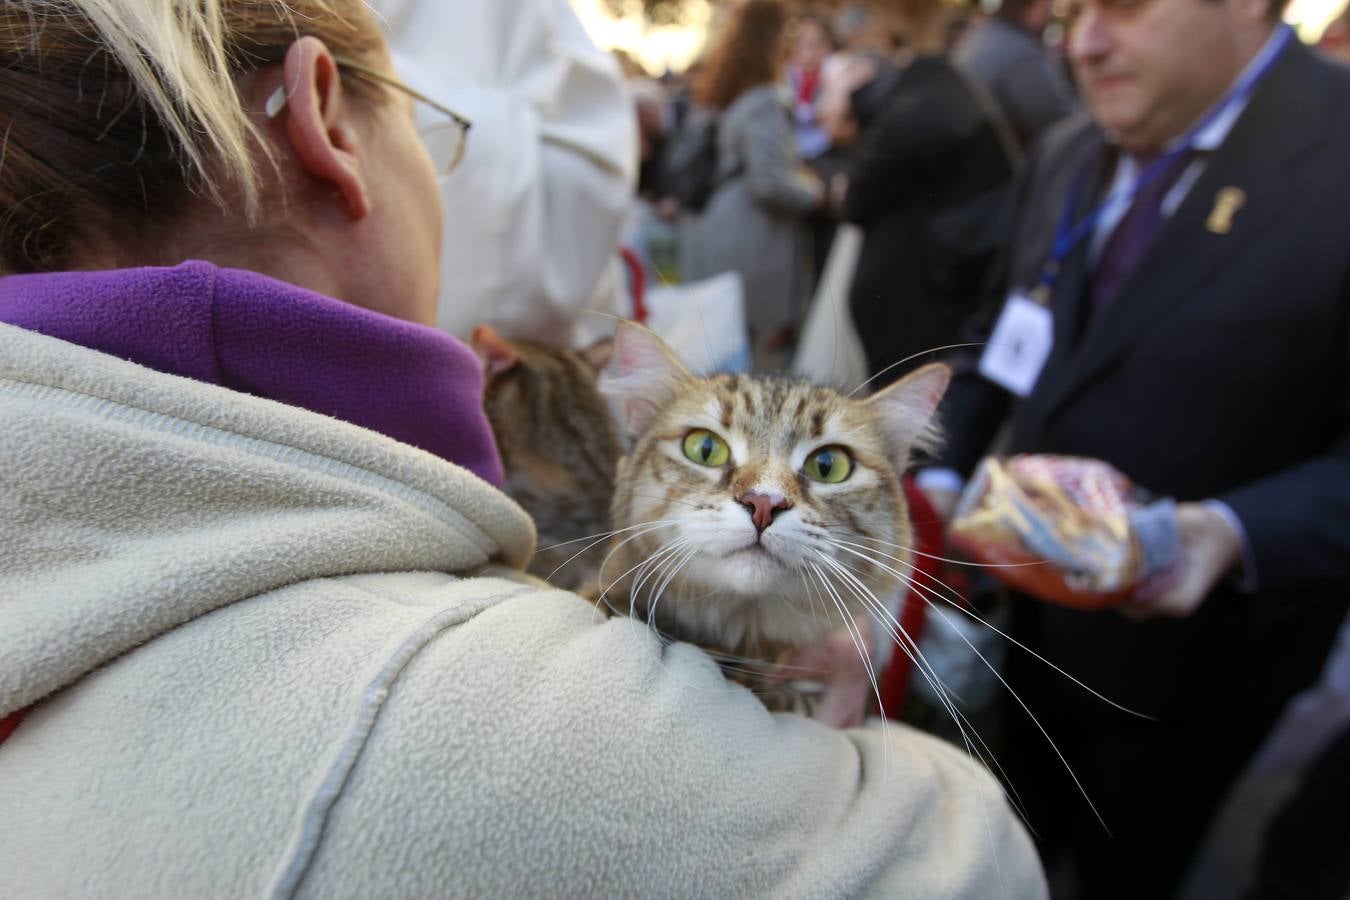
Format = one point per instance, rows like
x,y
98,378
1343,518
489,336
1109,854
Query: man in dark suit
x,y
1200,331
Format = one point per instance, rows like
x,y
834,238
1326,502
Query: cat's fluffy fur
x,y
709,575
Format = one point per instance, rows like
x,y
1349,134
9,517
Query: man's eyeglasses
x,y
445,138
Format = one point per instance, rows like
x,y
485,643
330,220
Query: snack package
x,y
1066,529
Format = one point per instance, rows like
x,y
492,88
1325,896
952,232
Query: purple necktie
x,y
1132,233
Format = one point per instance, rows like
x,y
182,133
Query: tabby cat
x,y
558,444
753,515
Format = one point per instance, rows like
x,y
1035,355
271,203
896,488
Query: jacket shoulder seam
x,y
309,831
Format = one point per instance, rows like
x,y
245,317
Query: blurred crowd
x,y
929,174
907,121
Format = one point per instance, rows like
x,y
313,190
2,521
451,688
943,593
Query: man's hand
x,y
1209,550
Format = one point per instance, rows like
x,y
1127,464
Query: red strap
x,y
928,536
637,282
11,721
806,88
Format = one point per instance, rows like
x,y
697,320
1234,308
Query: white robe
x,y
533,212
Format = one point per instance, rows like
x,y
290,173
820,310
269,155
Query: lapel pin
x,y
1226,204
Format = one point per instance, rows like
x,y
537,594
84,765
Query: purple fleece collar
x,y
251,333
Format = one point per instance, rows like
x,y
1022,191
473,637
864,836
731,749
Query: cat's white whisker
x,y
604,589
910,358
883,615
962,608
922,593
911,649
858,642
603,536
955,562
965,728
663,499
678,560
906,642
651,565
619,546
642,528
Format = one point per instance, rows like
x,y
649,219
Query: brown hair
x,y
748,55
116,112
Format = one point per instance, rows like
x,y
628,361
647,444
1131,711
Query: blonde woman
x,y
262,626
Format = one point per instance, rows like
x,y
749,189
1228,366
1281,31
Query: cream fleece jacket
x,y
277,655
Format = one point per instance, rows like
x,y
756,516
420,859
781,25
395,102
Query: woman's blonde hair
x,y
115,112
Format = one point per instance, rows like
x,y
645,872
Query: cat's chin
x,y
751,594
751,571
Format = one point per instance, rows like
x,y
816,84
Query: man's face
x,y
1149,68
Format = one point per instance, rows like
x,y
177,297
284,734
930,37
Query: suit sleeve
x,y
1298,521
591,760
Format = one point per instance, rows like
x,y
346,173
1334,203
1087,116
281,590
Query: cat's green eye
x,y
706,448
829,465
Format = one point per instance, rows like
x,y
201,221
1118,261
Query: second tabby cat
x,y
558,445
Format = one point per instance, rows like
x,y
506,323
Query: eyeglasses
x,y
445,138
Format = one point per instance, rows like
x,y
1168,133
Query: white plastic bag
x,y
703,321
829,351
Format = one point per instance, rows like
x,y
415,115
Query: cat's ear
x,y
494,350
599,354
907,408
642,378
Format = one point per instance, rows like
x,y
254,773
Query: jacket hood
x,y
255,334
133,501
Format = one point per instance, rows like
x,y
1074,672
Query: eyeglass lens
x,y
445,143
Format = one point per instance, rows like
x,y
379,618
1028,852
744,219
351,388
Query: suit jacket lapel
x,y
1098,162
1279,123
1089,168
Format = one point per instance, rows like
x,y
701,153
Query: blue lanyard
x,y
1069,235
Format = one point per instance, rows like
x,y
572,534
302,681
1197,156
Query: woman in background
x,y
753,223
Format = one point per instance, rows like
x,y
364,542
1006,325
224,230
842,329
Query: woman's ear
x,y
318,122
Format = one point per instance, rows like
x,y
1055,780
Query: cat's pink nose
x,y
763,507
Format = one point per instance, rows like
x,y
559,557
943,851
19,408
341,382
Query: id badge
x,y
1019,346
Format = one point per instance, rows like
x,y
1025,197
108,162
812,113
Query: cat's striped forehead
x,y
773,409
